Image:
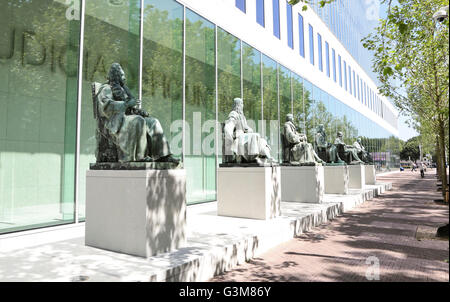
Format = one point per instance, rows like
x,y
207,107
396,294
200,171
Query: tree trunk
x,y
438,158
443,158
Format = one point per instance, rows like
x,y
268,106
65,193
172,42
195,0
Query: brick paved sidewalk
x,y
384,228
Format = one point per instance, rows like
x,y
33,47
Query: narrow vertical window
x,y
241,5
350,80
334,64
345,75
319,44
311,44
260,12
276,18
340,70
354,84
327,58
359,90
289,26
301,32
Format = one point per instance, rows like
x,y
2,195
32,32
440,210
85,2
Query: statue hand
x,y
131,103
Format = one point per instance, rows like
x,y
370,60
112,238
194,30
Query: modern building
x,y
186,60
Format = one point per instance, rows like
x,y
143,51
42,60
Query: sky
x,y
405,132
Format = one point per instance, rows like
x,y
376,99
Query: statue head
x,y
289,117
116,74
340,134
238,105
358,140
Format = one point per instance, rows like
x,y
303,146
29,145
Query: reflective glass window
x,y
340,69
200,109
290,34
301,32
270,101
251,82
39,51
241,5
260,12
276,18
107,40
311,44
319,45
327,58
333,54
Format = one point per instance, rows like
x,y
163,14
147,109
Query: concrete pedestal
x,y
140,212
371,176
253,193
357,177
336,179
302,184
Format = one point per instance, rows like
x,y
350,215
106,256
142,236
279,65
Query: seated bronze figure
x,y
124,132
325,150
346,152
240,143
296,149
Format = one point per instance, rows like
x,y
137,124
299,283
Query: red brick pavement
x,y
384,228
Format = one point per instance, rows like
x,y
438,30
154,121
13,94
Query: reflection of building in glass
x,y
192,60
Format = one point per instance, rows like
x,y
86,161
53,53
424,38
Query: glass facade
x,y
189,73
39,50
350,21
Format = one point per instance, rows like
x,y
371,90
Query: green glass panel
x,y
297,102
162,74
228,72
251,82
285,94
39,50
270,105
111,35
308,110
200,109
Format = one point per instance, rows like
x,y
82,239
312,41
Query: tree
x,y
411,149
411,61
321,3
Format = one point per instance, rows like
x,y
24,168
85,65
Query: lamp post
x,y
440,16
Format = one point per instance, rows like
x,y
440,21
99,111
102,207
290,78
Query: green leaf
x,y
388,71
402,27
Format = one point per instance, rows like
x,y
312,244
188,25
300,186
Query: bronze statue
x,y
325,150
296,149
125,133
362,153
348,153
241,144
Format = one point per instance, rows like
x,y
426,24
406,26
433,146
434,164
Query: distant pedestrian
x,y
414,167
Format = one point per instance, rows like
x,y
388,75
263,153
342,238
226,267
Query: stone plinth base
x,y
302,184
357,179
336,179
141,212
370,173
253,193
